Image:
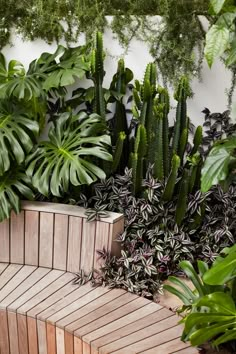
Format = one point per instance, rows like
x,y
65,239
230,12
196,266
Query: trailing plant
x,y
153,244
209,308
172,47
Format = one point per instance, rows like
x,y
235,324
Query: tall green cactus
x,y
118,151
137,158
171,181
181,95
181,207
119,121
97,71
165,102
156,148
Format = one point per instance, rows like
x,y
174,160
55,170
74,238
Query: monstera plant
x,y
66,157
211,306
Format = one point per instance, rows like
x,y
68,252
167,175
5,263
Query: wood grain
x,y
22,334
60,241
42,337
4,338
46,239
17,238
51,339
13,333
101,242
32,335
32,238
74,244
88,244
4,241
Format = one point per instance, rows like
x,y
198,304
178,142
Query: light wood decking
x,y
42,312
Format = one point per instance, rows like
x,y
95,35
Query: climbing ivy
x,y
172,43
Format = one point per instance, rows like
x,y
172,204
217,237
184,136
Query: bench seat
x,y
43,312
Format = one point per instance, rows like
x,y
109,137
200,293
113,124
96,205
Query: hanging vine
x,y
175,40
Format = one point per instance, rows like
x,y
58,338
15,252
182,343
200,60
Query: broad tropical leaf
x,y
216,167
14,184
217,5
223,271
68,157
218,324
217,40
17,133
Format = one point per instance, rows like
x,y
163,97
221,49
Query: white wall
x,y
208,93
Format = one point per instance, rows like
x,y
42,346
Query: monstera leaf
x,y
17,133
14,184
68,157
217,324
16,82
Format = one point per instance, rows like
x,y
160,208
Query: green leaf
x,y
14,184
217,41
70,156
223,271
217,5
216,166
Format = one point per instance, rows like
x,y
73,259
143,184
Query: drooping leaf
x,y
217,40
17,133
217,5
216,166
14,184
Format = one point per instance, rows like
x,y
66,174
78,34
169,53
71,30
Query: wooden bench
x,y
42,312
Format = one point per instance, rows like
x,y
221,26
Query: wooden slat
x,y
115,229
69,343
60,241
78,346
17,238
36,276
31,237
72,297
9,273
52,299
35,290
89,334
141,334
4,339
151,342
65,209
19,277
86,348
4,241
98,308
57,283
22,334
13,333
32,335
189,350
130,323
74,244
60,338
51,339
169,347
3,266
102,241
88,244
72,307
46,239
42,337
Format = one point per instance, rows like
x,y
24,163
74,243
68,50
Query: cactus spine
x,y
165,102
157,143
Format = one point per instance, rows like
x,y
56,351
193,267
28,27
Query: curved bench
x,y
42,312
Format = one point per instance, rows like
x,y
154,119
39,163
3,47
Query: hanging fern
x,y
172,43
